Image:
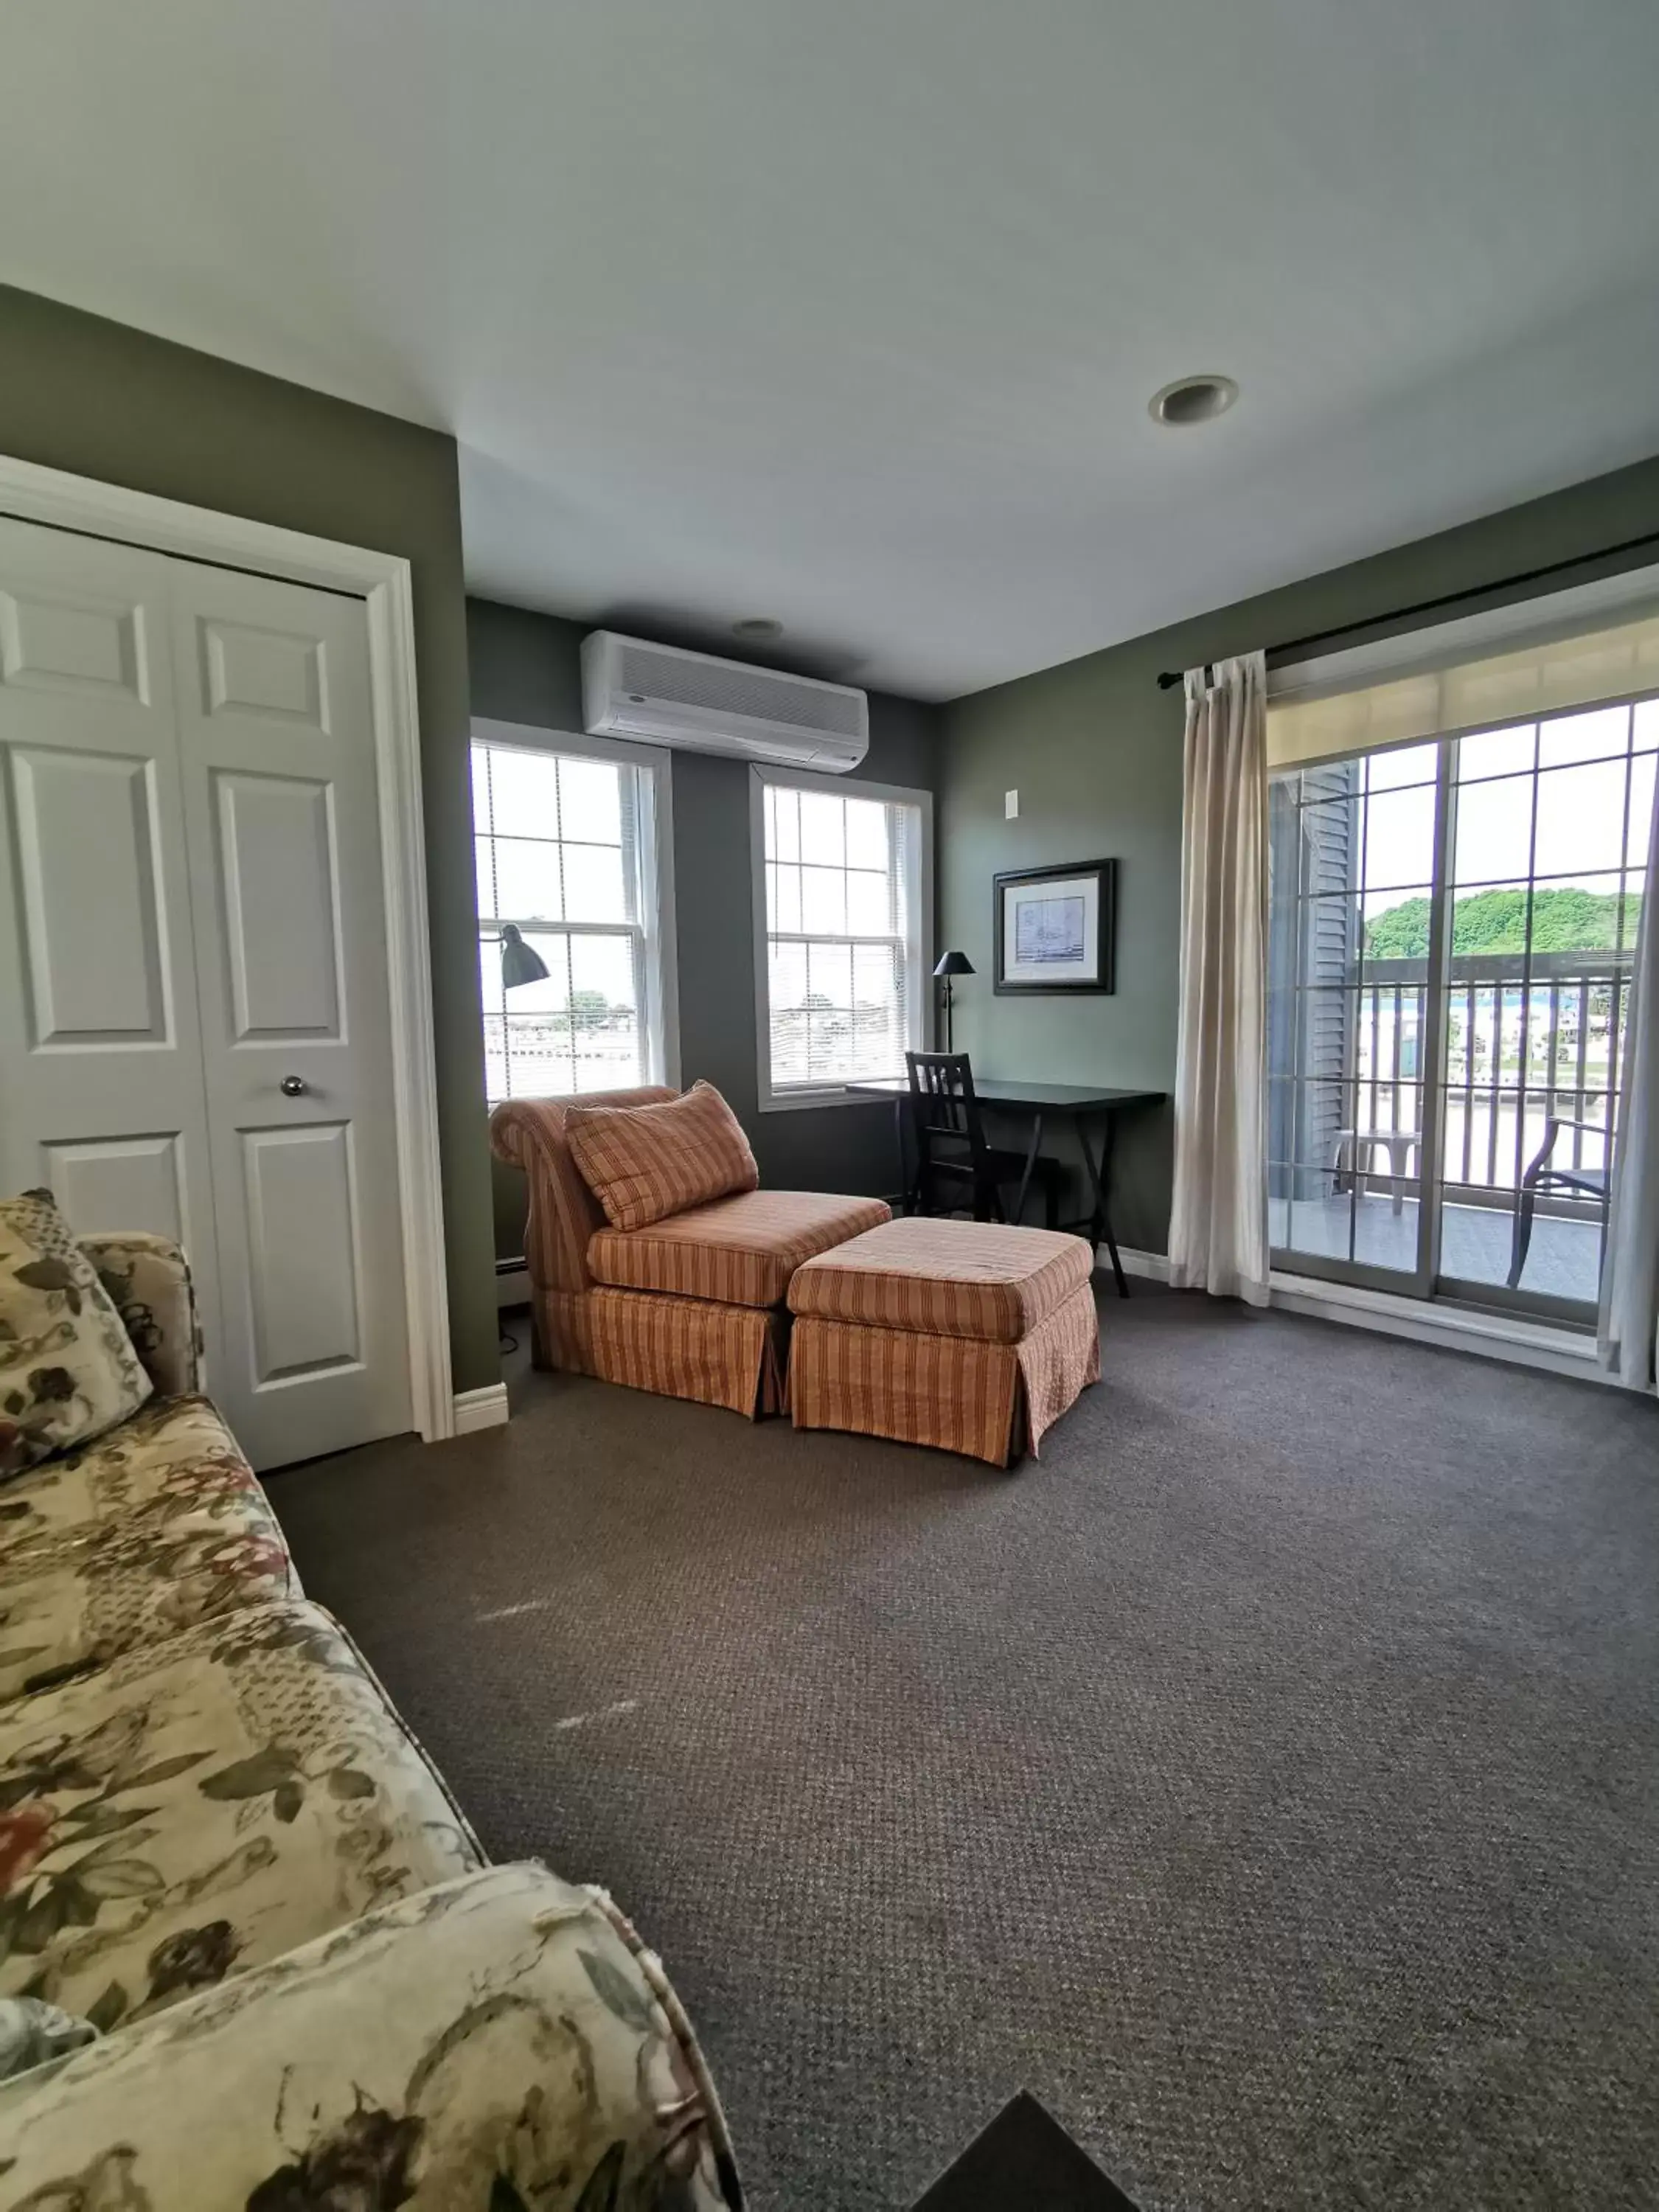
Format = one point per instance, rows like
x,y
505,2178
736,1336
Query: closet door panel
x,y
277,862
306,1280
102,1096
90,899
282,823
121,1183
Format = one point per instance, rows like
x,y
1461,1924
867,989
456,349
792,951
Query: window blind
x,y
842,922
558,838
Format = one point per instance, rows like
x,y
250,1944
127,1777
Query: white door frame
x,y
382,581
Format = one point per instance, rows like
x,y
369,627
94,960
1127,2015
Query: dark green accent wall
x,y
525,668
102,400
1094,749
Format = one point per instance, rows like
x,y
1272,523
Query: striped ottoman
x,y
964,1334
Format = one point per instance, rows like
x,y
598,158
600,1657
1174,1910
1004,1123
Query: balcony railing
x,y
1526,1040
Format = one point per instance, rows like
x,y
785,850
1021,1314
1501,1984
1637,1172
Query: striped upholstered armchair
x,y
692,1304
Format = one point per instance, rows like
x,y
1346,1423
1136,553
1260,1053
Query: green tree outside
x,y
1564,920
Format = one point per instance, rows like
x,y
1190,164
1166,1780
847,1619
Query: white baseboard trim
x,y
512,1289
1153,1266
480,1409
1536,1345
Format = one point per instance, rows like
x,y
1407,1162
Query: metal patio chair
x,y
1587,1183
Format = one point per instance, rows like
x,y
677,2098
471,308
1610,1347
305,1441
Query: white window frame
x,y
919,944
660,1009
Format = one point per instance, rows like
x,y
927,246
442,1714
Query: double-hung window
x,y
843,902
572,842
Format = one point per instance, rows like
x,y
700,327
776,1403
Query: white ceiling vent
x,y
632,688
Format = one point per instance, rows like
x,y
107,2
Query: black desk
x,y
1080,1104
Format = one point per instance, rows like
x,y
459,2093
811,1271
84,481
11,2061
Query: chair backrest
x,y
529,1133
945,1113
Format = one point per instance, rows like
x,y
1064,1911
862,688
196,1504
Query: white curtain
x,y
1630,1278
1218,1220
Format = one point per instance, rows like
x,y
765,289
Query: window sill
x,y
800,1102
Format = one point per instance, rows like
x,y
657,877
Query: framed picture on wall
x,y
1054,928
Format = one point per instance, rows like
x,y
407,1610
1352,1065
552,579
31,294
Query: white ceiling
x,y
846,312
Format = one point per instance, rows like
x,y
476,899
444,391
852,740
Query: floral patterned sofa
x,y
289,1975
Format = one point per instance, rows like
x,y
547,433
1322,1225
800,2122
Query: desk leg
x,y
909,1190
1030,1168
1100,1221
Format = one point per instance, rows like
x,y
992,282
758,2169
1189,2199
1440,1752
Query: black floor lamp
x,y
953,964
520,962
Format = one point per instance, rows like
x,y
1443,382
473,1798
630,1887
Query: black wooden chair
x,y
1587,1183
957,1169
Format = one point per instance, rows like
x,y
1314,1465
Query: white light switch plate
x,y
1010,805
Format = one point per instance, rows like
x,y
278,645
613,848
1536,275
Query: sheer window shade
x,y
1577,649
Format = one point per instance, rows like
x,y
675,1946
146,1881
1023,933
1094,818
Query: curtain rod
x,y
1170,677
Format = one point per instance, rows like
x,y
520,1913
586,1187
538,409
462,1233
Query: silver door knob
x,y
293,1086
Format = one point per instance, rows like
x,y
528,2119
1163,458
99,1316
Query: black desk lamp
x,y
953,964
520,962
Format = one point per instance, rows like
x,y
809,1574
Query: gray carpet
x,y
1268,1779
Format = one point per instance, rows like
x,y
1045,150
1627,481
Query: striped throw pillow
x,y
644,1163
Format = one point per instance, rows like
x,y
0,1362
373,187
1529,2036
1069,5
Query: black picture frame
x,y
1105,980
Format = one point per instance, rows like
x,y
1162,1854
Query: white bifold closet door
x,y
194,1012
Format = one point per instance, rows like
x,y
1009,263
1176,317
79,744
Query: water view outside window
x,y
1377,1081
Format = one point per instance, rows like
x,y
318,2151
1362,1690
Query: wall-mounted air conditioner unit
x,y
634,689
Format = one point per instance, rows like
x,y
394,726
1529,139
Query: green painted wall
x,y
102,400
524,668
1094,749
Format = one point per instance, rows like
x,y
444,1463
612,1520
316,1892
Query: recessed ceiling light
x,y
758,626
1191,399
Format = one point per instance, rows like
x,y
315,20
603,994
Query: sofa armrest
x,y
149,1279
502,2039
563,1213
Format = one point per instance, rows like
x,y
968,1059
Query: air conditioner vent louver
x,y
631,688
728,687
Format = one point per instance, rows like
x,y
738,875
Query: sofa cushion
x,y
149,1282
503,2040
68,1370
78,1604
80,1598
646,1163
204,1805
943,1278
155,1525
740,1251
174,1460
529,1135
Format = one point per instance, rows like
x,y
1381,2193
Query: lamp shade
x,y
955,964
520,962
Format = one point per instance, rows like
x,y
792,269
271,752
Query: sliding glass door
x,y
1355,854
1546,883
1451,940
